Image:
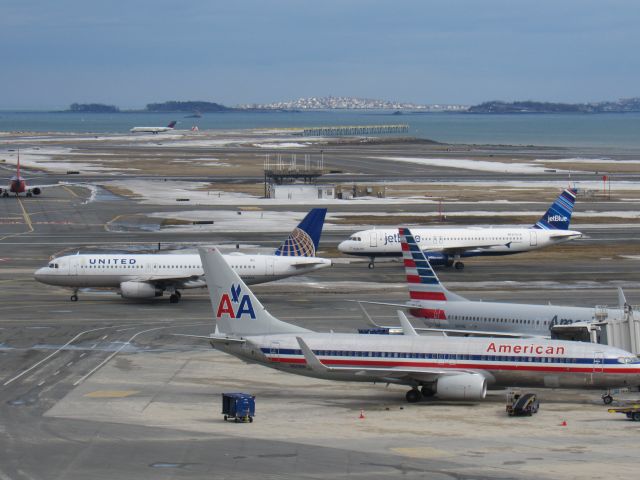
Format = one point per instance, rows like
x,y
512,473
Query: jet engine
x,y
36,191
139,290
440,259
465,386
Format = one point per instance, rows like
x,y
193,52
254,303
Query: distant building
x,y
301,191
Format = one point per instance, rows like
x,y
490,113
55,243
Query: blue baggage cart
x,y
240,407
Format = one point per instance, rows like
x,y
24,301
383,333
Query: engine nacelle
x,y
139,290
36,191
465,386
439,259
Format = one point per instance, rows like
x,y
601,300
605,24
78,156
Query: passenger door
x,y
533,238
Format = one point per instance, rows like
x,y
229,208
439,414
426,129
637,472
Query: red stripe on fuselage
x,y
558,368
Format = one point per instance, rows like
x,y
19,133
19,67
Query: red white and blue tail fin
x,y
237,311
558,217
423,281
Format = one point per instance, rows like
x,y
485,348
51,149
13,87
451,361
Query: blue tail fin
x,y
558,216
303,241
172,124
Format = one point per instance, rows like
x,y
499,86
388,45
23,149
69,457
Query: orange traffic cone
x,y
361,417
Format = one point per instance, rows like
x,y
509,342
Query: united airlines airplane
x,y
150,275
457,368
446,246
446,311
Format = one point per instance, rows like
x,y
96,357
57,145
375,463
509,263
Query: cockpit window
x,y
355,239
51,265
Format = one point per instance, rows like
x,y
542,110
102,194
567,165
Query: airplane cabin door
x,y
373,239
274,351
533,238
270,266
598,362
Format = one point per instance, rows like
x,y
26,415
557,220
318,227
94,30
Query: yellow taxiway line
x,y
25,214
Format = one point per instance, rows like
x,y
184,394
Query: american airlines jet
x,y
456,368
445,311
150,275
446,246
154,130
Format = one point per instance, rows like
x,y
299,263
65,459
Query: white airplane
x,y
154,129
446,246
445,311
449,367
150,275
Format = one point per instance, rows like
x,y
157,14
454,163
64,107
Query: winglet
x,y
312,361
407,328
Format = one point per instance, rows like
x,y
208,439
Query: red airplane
x,y
18,185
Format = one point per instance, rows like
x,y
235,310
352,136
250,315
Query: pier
x,y
354,130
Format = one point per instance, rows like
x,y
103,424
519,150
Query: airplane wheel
x,y
458,266
607,399
29,195
371,265
173,298
178,294
74,298
413,395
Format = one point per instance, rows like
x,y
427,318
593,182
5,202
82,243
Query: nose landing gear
x,y
74,296
372,263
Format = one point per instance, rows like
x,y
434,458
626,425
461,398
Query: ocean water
x,y
571,130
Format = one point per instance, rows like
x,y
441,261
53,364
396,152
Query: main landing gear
x,y
458,265
415,395
372,263
74,296
175,297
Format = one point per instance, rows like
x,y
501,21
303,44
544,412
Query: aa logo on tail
x,y
235,305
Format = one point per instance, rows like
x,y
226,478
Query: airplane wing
x,y
391,374
191,281
445,331
459,249
307,264
213,339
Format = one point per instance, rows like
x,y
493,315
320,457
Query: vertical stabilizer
x,y
172,124
423,281
304,239
558,217
236,310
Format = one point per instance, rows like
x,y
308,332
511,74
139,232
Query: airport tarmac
x,y
102,388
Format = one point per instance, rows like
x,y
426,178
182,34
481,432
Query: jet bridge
x,y
625,332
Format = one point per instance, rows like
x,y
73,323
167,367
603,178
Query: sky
x,y
130,53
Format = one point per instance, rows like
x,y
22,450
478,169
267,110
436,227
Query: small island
x,y
624,105
92,108
187,107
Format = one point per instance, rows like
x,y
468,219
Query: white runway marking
x,y
125,344
24,372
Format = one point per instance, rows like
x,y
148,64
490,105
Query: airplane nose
x,y
342,246
38,274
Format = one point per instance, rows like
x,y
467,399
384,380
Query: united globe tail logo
x,y
298,244
235,305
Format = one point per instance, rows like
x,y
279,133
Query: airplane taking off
x,y
154,130
456,368
150,275
446,246
442,310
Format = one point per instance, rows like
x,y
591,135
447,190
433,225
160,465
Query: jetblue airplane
x,y
154,130
446,246
455,368
150,275
446,311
